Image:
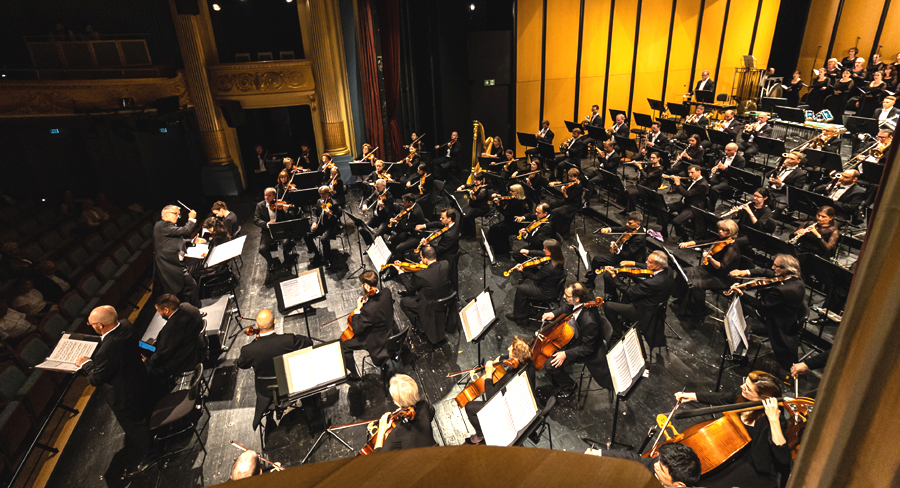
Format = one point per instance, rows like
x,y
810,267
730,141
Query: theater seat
x,y
15,429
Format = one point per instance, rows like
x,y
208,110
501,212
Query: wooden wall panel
x,y
859,18
529,24
816,36
710,35
890,36
651,60
561,58
738,33
684,33
593,57
622,49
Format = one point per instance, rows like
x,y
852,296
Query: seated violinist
x,y
510,207
373,324
629,244
267,213
717,261
423,287
543,277
519,351
412,433
380,206
768,455
405,237
325,224
677,464
284,184
573,201
639,300
325,167
537,228
445,236
420,182
338,190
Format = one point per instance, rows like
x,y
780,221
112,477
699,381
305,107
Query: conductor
x,y
169,243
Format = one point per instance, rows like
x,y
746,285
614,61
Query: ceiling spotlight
x,y
471,6
289,1
216,7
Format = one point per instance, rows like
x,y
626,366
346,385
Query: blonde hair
x,y
521,351
404,390
729,226
518,191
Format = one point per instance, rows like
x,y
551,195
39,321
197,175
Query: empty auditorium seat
x,y
54,325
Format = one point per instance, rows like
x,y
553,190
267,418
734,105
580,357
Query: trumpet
x,y
692,119
719,125
752,127
800,233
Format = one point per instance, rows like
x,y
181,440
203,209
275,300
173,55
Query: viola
x,y
532,226
716,248
348,332
527,264
474,389
756,283
280,205
433,236
401,415
625,270
554,336
615,247
408,267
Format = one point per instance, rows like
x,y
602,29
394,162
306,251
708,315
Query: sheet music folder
x,y
225,251
509,413
69,348
307,288
626,362
311,370
477,316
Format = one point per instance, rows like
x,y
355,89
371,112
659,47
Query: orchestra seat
x,y
73,308
67,228
180,411
97,293
53,241
146,230
53,326
11,380
95,243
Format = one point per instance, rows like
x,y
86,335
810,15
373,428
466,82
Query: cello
x,y
347,334
555,335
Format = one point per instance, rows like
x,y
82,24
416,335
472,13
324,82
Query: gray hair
x,y
660,258
790,263
170,208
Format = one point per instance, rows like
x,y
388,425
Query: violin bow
x,y
668,421
275,466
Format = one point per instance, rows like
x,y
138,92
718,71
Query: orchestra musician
x,y
325,167
177,347
536,232
609,159
446,245
573,201
367,154
633,249
620,128
780,305
214,233
819,237
284,185
409,166
411,434
818,90
788,174
338,190
858,72
876,65
650,177
677,464
541,281
446,156
325,223
656,140
304,160
873,92
572,152
259,356
381,203
692,154
845,192
422,289
694,193
718,175
699,119
418,146
373,323
495,150
792,93
705,84
421,183
518,350
404,235
755,215
713,271
169,241
639,300
593,119
534,183
246,465
504,167
587,324
477,205
728,124
768,455
545,135
510,208
260,173
229,219
887,115
379,173
833,70
837,102
267,213
760,128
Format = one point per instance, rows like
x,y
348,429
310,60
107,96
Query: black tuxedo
x,y
230,222
849,202
178,345
780,306
595,120
719,178
582,348
428,285
691,195
659,141
372,327
634,249
611,162
541,281
261,218
638,302
710,86
405,236
169,242
571,156
548,137
731,127
534,240
796,178
446,158
748,145
447,245
259,355
893,112
117,370
621,130
329,226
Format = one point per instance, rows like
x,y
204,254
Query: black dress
x,y
817,93
871,100
413,434
793,93
707,277
838,99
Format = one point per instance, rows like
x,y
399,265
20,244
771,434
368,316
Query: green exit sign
x,y
490,82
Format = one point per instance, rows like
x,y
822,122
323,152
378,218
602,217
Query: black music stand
x,y
611,183
862,125
625,395
704,96
570,126
720,138
669,126
361,226
710,221
824,160
626,144
871,172
769,147
768,104
657,105
791,114
310,179
815,268
545,150
526,139
768,245
613,113
743,180
485,327
305,197
679,109
695,130
643,120
596,133
287,307
655,203
806,202
361,170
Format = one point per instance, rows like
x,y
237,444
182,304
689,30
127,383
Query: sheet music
x,y
735,325
225,251
487,246
477,315
520,401
312,367
485,308
618,367
198,251
497,423
378,252
66,352
583,253
304,288
633,353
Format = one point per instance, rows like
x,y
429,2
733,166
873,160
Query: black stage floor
x,y
95,456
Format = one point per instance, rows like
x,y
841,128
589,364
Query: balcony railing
x,y
105,54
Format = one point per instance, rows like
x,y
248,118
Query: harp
x,y
479,143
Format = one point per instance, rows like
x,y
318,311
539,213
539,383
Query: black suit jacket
x,y
326,221
611,162
797,178
635,248
408,222
587,329
374,324
535,239
169,242
576,149
260,355
231,223
646,294
545,275
710,85
261,215
117,368
849,201
764,131
430,284
178,346
697,195
417,433
894,111
660,142
447,244
780,303
623,130
594,120
548,137
732,127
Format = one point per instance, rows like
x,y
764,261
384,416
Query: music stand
x,y
791,114
655,203
806,202
678,109
656,105
626,144
379,253
300,292
695,130
678,267
613,113
704,96
596,133
545,150
611,183
735,335
360,227
626,366
477,317
583,255
305,197
871,172
824,160
769,147
361,170
862,125
719,138
768,104
310,179
643,120
669,126
743,180
709,219
526,139
570,126
767,244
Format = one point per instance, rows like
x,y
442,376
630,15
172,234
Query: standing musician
x,y
768,456
693,193
872,95
446,155
229,219
325,224
373,324
423,288
518,350
169,243
705,84
847,195
650,177
788,174
381,203
692,154
593,119
260,172
656,140
888,114
620,128
780,305
850,60
677,464
572,151
545,135
477,206
541,281
760,128
421,183
259,355
267,213
587,324
819,237
718,175
639,300
304,159
632,248
338,190
403,226
792,92
446,234
536,232
573,201
411,434
713,271
510,208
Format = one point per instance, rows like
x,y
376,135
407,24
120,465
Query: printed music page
x,y
225,251
471,320
304,288
497,423
618,367
312,367
378,252
66,352
485,309
583,254
633,353
197,252
487,246
735,325
520,400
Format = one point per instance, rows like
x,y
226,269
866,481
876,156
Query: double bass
x,y
555,335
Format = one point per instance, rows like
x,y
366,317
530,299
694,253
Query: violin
x,y
756,283
396,219
326,210
280,205
554,336
401,415
348,332
615,247
502,199
532,226
253,330
408,267
412,154
432,237
527,264
474,389
474,191
716,248
626,270
565,187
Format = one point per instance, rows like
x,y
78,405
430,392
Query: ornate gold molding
x,y
35,98
227,80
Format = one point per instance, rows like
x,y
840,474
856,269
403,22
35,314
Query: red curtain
x,y
368,70
389,23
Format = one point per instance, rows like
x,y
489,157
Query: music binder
x,y
310,370
379,253
735,326
477,316
626,362
308,287
69,348
509,412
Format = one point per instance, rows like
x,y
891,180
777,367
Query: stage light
x,y
471,6
216,7
289,1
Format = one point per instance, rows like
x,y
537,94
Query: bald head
x,y
247,465
265,320
103,318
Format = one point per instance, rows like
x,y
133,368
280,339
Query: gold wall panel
x,y
228,80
